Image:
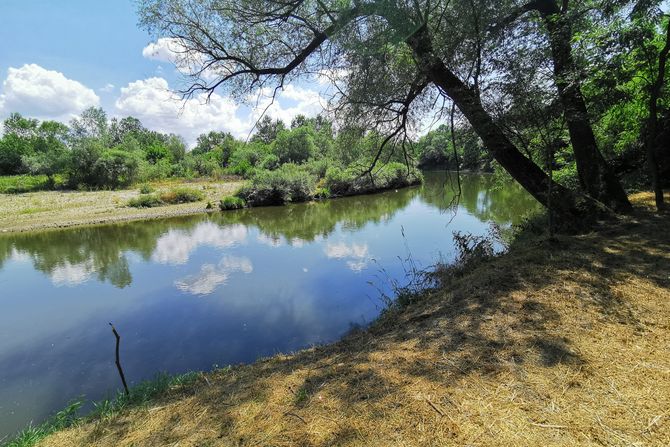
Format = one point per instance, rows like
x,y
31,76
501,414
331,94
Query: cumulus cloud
x,y
160,109
165,49
305,101
356,255
47,94
71,275
212,276
175,246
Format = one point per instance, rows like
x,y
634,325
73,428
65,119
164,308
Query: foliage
x,y
145,201
171,197
146,189
295,145
33,434
182,195
231,203
289,183
26,183
140,395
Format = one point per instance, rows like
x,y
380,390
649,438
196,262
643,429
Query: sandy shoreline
x,y
49,210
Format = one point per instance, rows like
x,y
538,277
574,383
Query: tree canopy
x,y
394,62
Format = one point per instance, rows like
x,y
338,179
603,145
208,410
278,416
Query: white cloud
x,y
212,276
160,109
173,51
164,49
305,101
46,94
71,275
356,255
175,246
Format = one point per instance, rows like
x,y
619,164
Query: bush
x,y
115,168
246,158
182,195
287,184
145,201
295,146
146,189
338,181
172,197
231,203
350,182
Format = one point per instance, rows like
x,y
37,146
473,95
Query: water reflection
x,y
224,288
212,276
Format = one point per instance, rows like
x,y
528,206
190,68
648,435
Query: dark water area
x,y
196,292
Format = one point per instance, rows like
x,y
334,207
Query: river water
x,y
193,293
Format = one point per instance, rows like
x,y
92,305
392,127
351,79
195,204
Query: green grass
x,y
182,195
16,184
231,203
171,197
140,395
145,201
33,434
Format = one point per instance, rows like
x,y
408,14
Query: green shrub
x,y
351,181
231,203
146,189
145,201
338,181
182,195
287,184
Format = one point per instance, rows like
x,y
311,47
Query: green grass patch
x,y
172,197
140,395
231,203
182,195
16,184
145,201
33,434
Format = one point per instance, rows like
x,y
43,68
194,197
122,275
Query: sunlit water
x,y
219,289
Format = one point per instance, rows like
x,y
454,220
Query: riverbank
x,y
61,209
562,343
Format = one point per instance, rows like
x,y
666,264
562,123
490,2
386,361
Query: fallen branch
x,y
558,427
118,360
440,412
296,416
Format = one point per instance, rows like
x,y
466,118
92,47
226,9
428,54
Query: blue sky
x,y
59,57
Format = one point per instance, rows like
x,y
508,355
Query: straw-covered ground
x,y
553,344
59,209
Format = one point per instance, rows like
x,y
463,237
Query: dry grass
x,y
557,344
58,209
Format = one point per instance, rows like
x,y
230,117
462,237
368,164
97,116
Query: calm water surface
x,y
190,293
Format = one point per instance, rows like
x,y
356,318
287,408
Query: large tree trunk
x,y
523,170
595,175
652,126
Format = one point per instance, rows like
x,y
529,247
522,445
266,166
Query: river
x,y
197,292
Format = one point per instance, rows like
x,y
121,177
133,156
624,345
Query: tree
x,y
398,54
91,124
267,130
651,140
294,146
49,162
595,175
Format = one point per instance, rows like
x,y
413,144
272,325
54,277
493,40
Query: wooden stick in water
x,y
118,361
